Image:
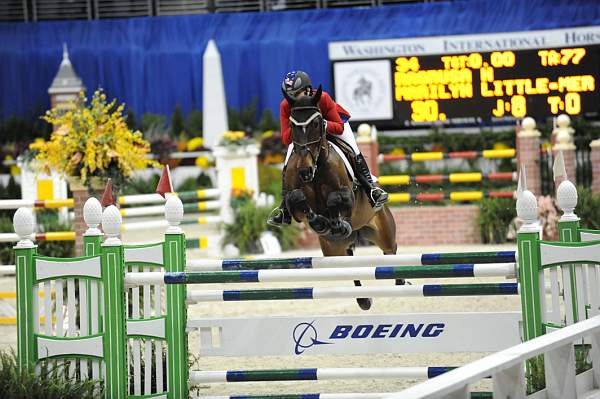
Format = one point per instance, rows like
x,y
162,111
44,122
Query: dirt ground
x,y
328,307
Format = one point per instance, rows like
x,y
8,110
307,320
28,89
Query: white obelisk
x,y
214,110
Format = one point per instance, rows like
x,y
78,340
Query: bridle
x,y
299,147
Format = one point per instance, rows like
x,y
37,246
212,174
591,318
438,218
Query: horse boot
x,y
280,215
377,196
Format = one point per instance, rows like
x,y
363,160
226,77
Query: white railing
x,y
507,369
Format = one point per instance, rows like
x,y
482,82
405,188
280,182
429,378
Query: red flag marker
x,y
107,197
164,184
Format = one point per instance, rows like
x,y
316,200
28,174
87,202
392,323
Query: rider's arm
x,y
335,125
284,121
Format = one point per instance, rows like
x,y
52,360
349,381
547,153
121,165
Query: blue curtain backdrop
x,y
152,64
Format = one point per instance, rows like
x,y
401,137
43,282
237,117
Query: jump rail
x,y
436,156
507,369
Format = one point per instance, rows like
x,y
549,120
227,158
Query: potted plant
x,y
91,143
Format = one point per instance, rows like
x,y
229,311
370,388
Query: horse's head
x,y
308,132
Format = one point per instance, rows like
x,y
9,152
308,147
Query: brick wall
x,y
426,225
437,225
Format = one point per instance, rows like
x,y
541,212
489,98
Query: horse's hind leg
x,y
341,248
364,303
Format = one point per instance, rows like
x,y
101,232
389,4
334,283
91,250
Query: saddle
x,y
347,154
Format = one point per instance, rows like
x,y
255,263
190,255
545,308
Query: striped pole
x,y
160,209
295,275
46,204
436,156
315,374
48,236
450,196
426,290
157,199
7,270
451,178
351,261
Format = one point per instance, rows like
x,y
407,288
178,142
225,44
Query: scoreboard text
x,y
499,84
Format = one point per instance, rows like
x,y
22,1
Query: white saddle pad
x,y
347,163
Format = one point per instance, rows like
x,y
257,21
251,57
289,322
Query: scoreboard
x,y
497,84
471,86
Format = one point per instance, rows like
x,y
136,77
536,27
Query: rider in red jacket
x,y
296,84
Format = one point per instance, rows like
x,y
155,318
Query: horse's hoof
x,y
320,225
364,303
341,229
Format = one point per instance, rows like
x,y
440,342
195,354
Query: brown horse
x,y
323,195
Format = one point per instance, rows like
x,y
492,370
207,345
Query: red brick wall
x,y
79,197
426,225
595,158
528,153
437,225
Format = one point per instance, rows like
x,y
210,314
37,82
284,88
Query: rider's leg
x,y
280,215
377,196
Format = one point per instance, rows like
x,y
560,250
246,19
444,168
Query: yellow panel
x,y
203,242
60,236
399,197
200,193
59,203
464,177
508,153
396,179
466,195
201,220
426,156
45,189
238,178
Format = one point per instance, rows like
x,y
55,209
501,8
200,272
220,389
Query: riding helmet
x,y
295,81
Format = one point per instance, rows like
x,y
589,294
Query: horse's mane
x,y
304,101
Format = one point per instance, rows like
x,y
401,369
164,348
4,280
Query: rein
x,y
303,125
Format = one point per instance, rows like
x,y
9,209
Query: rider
x,y
297,84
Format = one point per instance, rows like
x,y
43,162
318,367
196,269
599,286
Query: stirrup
x,y
381,200
278,217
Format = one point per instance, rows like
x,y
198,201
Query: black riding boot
x,y
377,196
280,215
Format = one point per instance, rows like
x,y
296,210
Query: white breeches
x,y
347,137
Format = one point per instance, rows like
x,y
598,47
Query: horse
x,y
322,194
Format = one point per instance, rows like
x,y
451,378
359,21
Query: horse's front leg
x,y
339,204
298,202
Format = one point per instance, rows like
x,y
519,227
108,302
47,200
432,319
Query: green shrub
x,y
495,215
193,124
269,180
194,183
49,384
177,126
250,222
588,208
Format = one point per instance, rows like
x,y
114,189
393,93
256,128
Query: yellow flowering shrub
x,y
235,138
92,140
195,143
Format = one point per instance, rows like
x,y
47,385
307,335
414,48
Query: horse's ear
x,y
288,97
317,96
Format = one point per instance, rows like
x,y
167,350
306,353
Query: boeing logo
x,y
305,334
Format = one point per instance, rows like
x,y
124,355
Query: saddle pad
x,y
345,159
347,163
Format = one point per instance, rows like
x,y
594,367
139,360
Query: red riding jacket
x,y
332,113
